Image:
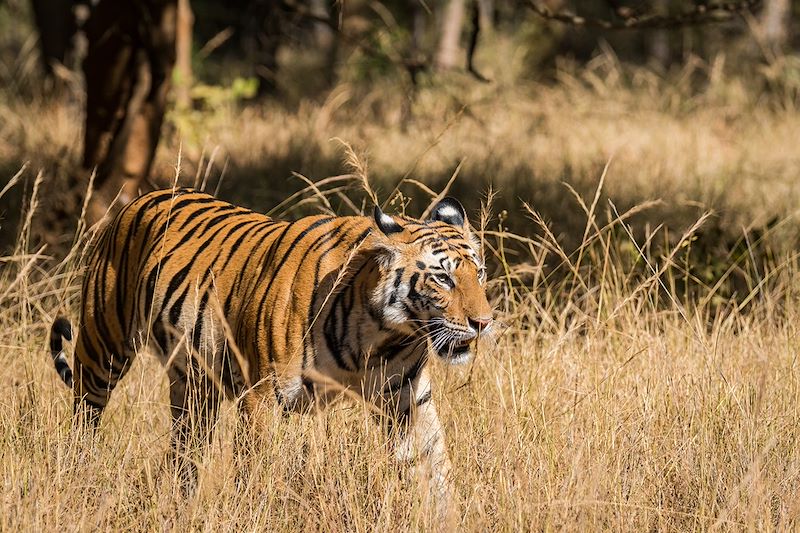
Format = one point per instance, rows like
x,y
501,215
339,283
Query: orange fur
x,y
235,303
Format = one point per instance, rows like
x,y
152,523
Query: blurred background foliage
x,y
693,105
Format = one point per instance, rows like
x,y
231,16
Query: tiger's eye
x,y
443,279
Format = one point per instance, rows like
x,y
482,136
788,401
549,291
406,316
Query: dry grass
x,y
615,399
697,140
608,403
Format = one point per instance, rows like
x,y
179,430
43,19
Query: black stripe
x,y
206,225
198,324
329,330
160,334
425,398
176,281
418,229
235,246
246,268
61,328
192,200
413,372
291,247
198,211
64,371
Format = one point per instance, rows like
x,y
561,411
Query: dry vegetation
x,y
607,403
627,392
697,139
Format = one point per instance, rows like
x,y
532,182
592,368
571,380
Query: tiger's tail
x,y
60,330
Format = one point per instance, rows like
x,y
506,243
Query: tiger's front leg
x,y
420,442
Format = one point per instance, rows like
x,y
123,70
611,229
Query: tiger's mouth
x,y
451,342
456,352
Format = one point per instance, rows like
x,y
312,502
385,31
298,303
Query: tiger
x,y
238,305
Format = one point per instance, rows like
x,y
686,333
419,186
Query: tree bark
x,y
775,20
261,36
658,40
128,65
56,25
326,40
449,52
183,55
486,10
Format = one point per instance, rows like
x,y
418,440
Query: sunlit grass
x,y
607,402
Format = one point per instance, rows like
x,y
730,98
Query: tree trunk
x,y
419,24
128,66
183,55
486,10
56,25
658,40
325,38
775,20
261,36
449,51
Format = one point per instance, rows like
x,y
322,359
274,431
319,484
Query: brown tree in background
x,y
775,19
57,28
449,54
132,50
128,67
183,54
260,36
132,53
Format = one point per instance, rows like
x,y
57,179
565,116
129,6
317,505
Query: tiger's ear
x,y
450,211
385,223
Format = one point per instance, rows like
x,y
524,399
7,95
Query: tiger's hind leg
x,y
194,401
97,372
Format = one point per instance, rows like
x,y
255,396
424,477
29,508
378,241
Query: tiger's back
x,y
174,265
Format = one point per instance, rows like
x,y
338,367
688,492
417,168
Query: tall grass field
x,y
641,234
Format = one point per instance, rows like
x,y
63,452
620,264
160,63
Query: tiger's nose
x,y
480,323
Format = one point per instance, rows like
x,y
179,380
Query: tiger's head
x,y
433,279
